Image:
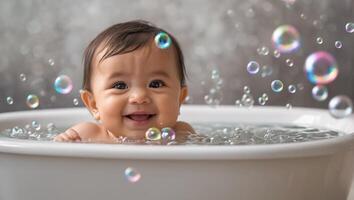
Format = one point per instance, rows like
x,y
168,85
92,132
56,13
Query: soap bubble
x,y
321,68
32,101
349,27
162,40
286,39
320,92
153,134
51,62
253,67
247,100
214,97
277,85
261,101
75,101
63,84
340,106
288,106
292,89
319,40
132,175
266,71
168,133
246,90
276,54
263,51
23,77
338,44
289,62
9,100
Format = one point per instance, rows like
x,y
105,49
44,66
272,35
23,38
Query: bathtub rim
x,y
114,151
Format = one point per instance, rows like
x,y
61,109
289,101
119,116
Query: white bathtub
x,y
317,170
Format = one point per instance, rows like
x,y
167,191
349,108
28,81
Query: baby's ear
x,y
183,94
90,103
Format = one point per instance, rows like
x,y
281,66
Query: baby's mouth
x,y
140,117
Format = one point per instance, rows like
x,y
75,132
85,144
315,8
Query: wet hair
x,y
124,38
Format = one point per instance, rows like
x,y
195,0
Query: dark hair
x,y
124,38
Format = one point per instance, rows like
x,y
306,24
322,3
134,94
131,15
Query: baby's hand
x,y
69,135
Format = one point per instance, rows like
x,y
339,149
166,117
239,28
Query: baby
x,y
131,83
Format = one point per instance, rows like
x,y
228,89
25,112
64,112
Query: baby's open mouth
x,y
140,117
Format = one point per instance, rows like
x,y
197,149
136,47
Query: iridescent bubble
x,y
9,100
319,40
76,101
23,77
63,84
292,89
321,68
340,106
153,134
32,101
132,175
349,27
286,39
289,62
168,133
277,85
253,67
162,40
338,44
320,92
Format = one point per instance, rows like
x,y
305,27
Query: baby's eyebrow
x,y
160,73
116,74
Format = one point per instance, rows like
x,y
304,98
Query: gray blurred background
x,y
43,39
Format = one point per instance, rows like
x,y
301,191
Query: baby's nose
x,y
139,96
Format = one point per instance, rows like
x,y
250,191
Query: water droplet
x,y
340,106
132,175
277,85
320,92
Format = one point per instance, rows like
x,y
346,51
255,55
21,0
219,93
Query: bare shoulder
x,y
184,127
89,130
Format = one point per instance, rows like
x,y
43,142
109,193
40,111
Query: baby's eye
x,y
120,85
156,84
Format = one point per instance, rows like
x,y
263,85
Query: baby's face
x,y
135,91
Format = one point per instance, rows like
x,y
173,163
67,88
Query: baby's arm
x,y
82,131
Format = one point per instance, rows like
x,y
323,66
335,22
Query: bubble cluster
x,y
262,100
63,84
253,67
286,39
215,95
321,68
132,175
163,40
247,99
277,85
153,134
320,92
32,101
340,106
349,27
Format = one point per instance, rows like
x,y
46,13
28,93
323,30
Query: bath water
x,y
207,134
